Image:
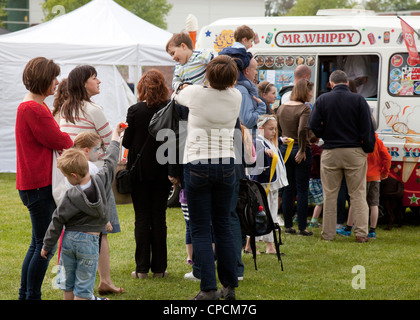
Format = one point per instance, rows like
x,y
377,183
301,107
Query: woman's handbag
x,y
124,177
165,118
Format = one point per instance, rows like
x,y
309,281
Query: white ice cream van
x,y
326,43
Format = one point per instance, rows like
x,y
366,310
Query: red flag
x,y
408,34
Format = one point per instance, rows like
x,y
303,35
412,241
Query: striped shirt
x,y
194,71
93,119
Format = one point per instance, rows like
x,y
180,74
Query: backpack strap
x,y
278,243
254,250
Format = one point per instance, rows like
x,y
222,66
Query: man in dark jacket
x,y
343,120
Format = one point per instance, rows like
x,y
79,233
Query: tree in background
x,y
392,5
274,8
3,13
310,7
153,11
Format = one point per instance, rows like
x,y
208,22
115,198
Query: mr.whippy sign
x,y
317,38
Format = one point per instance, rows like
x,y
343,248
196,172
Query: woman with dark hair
x,y
60,96
78,114
151,187
293,119
209,174
37,135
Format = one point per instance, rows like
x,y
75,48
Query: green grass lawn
x,y
313,269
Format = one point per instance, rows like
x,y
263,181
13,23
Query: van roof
x,y
320,22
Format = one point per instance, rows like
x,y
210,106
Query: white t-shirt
x,y
211,121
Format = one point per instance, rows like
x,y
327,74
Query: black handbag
x,y
124,177
165,118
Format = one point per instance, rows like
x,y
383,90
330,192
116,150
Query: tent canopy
x,y
102,34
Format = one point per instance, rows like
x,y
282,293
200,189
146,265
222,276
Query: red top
x,y
378,162
37,135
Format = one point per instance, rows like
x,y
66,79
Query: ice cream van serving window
x,y
279,69
403,77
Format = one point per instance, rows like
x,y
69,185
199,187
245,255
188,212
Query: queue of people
x,y
214,93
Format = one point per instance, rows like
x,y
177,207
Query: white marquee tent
x,y
102,34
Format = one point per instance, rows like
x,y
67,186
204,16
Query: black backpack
x,y
251,196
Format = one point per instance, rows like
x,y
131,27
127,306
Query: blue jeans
x,y
209,190
78,263
41,206
298,177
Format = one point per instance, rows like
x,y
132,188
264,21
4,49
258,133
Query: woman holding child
x,y
293,119
37,135
209,173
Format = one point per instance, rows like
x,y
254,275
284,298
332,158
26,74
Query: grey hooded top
x,y
76,212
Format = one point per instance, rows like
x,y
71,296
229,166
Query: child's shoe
x,y
372,235
343,231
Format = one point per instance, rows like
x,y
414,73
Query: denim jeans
x,y
209,190
41,206
298,175
78,263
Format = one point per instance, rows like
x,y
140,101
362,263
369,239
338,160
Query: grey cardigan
x,y
76,212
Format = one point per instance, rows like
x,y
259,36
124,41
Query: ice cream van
x,y
326,43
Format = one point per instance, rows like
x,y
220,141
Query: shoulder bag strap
x,y
139,155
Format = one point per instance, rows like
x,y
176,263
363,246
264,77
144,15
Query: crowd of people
x,y
212,93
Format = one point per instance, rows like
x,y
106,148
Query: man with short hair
x,y
343,120
301,72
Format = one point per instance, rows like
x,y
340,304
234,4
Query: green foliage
x,y
153,11
310,7
392,5
313,269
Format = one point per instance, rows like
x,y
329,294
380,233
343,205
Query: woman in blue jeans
x,y
209,174
293,119
37,135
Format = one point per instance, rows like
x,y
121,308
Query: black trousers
x,y
150,203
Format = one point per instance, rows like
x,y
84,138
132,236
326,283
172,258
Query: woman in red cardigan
x,y
37,135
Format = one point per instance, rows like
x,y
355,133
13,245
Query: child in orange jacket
x,y
378,164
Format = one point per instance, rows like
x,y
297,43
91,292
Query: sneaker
x,y
372,235
315,224
305,233
227,293
207,295
190,276
290,230
343,232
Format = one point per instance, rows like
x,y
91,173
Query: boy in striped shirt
x,y
191,64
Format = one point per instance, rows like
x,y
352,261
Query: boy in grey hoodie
x,y
83,212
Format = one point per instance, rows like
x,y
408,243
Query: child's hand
x,y
269,152
257,99
44,253
109,227
121,127
118,130
285,140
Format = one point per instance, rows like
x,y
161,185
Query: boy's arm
x,y
110,162
59,218
176,80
